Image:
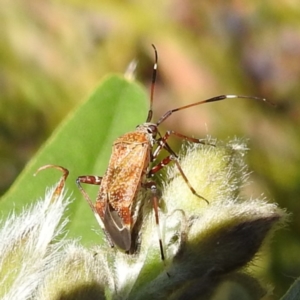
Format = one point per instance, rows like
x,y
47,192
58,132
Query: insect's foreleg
x,y
94,180
162,142
182,136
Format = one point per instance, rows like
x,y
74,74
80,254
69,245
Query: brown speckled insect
x,y
122,188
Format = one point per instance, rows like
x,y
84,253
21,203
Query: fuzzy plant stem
x,y
207,246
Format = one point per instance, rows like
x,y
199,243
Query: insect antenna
x,y
150,112
213,99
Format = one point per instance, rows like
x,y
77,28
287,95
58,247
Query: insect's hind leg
x,y
94,180
88,179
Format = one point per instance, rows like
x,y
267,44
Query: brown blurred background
x,y
53,54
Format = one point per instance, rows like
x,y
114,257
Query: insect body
x,y
120,194
122,188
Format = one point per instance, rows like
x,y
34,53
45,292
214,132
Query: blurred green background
x,y
53,54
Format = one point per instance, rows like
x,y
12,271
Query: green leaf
x,y
82,144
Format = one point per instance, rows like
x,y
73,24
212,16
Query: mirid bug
x,y
122,188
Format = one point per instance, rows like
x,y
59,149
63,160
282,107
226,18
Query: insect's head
x,y
148,128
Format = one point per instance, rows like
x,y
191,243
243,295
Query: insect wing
x,y
118,201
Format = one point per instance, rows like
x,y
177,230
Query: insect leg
x,y
162,142
89,179
152,186
94,180
165,162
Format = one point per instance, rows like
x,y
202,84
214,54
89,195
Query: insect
x,y
131,167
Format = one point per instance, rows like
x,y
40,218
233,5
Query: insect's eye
x,y
152,129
